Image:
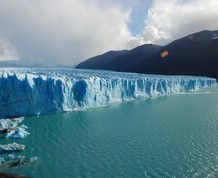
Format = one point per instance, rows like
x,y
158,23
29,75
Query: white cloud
x,y
69,31
63,31
7,51
168,20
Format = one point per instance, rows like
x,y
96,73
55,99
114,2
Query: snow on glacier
x,y
26,92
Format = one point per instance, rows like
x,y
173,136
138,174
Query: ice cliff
x,y
39,91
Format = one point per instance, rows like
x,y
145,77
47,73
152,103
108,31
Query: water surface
x,y
167,136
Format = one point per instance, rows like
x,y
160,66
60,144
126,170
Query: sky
x,y
66,32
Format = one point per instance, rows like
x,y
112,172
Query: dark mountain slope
x,y
120,60
195,54
101,61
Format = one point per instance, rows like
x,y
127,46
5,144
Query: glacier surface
x,y
26,92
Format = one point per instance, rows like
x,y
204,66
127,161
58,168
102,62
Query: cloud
x,y
168,20
69,31
7,51
63,31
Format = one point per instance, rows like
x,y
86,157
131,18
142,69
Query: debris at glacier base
x,y
11,161
11,147
10,128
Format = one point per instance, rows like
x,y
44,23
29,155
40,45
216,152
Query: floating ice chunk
x,y
19,132
11,147
10,124
11,161
17,119
33,159
11,129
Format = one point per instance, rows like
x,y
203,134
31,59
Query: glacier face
x,y
26,92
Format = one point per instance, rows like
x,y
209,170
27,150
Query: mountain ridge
x,y
194,54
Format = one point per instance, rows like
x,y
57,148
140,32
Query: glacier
x,y
25,92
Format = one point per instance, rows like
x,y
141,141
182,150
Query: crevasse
x,y
26,92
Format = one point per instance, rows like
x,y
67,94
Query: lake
x,y
175,135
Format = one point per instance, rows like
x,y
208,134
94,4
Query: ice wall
x,y
39,91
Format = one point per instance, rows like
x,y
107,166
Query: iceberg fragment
x,y
11,147
19,132
40,91
10,128
9,124
11,161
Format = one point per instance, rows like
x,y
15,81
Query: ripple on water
x,y
174,136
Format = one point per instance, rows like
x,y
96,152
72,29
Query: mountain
x,y
194,54
18,63
28,64
106,59
12,63
120,60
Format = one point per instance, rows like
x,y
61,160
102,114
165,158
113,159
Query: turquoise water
x,y
168,136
